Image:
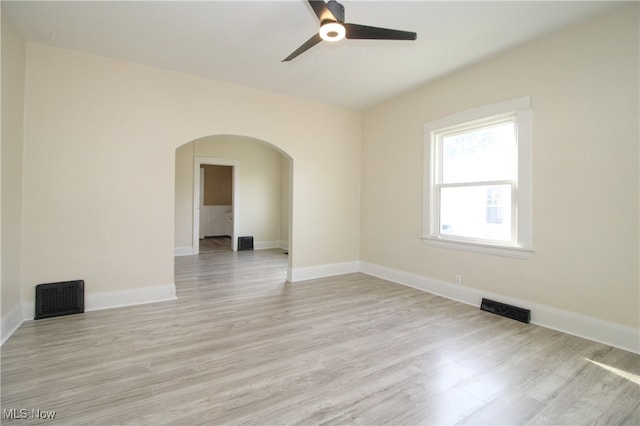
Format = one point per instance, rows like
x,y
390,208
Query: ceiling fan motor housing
x,y
337,9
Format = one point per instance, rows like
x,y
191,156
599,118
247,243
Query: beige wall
x,y
259,185
13,68
217,189
183,230
100,155
583,84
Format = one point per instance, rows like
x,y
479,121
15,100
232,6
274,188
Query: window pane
x,y
484,154
482,212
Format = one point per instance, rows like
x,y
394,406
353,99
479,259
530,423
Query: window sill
x,y
496,250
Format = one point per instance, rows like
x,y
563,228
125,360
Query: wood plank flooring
x,y
214,245
243,346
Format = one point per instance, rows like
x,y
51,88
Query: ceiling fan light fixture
x,y
333,28
332,31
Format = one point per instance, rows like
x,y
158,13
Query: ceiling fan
x,y
333,28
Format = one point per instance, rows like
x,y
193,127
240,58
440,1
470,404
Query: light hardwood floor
x,y
215,245
242,346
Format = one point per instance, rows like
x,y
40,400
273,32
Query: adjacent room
x,y
372,212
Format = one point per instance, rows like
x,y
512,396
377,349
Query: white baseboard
x,y
321,271
263,245
258,245
10,323
183,251
598,330
96,301
128,297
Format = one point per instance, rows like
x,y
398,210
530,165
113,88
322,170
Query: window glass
x,y
480,212
483,154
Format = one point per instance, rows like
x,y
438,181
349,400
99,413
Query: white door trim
x,y
201,204
235,168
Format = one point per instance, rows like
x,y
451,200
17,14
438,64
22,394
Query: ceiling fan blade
x,y
315,39
363,32
321,10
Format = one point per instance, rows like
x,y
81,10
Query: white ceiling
x,y
244,42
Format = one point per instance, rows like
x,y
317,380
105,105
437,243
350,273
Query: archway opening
x,y
260,205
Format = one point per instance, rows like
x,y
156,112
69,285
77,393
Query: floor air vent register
x,y
502,309
245,243
57,299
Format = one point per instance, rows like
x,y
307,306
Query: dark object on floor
x,y
245,243
502,309
61,298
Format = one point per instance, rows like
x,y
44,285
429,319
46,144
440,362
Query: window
x,y
477,180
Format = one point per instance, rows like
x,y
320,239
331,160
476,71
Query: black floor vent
x,y
245,243
56,299
502,309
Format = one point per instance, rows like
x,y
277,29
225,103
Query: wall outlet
x,y
458,279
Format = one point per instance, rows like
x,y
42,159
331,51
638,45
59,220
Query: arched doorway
x,y
261,191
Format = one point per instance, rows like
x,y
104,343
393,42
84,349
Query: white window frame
x,y
522,245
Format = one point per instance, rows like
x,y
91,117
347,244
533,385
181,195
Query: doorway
x,y
262,181
216,208
215,211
